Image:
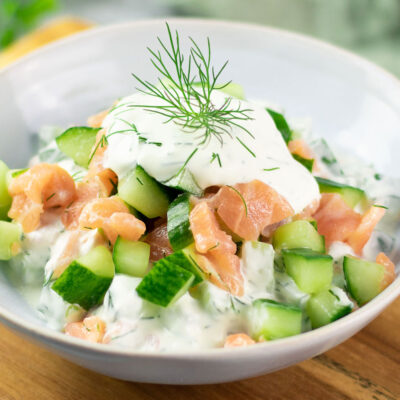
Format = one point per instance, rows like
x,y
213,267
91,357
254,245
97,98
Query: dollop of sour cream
x,y
138,136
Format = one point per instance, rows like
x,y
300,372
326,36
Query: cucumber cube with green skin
x,y
350,194
281,125
363,278
185,182
312,271
5,198
10,234
189,263
143,193
78,143
298,234
269,320
306,162
178,224
131,258
326,307
165,283
87,279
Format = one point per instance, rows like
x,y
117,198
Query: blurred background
x,y
370,28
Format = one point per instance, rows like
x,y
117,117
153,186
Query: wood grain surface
x,y
365,367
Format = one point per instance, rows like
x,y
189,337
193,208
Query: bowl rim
x,y
381,301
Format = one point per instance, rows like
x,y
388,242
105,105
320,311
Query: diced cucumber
x,y
298,234
234,89
185,182
131,258
213,299
178,224
10,237
281,125
363,278
143,193
306,162
87,279
77,143
5,198
351,195
165,283
326,307
312,271
270,320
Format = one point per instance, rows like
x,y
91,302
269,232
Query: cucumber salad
x,y
186,216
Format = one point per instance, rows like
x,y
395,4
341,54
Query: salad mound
x,y
186,216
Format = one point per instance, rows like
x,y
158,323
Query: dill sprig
x,y
215,156
241,198
186,90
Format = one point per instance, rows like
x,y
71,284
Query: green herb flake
x,y
241,196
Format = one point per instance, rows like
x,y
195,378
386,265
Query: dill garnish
x,y
215,156
271,169
241,197
246,147
380,206
186,91
52,195
101,143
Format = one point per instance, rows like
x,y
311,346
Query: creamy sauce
x,y
126,149
204,316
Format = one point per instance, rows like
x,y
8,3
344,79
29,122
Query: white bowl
x,y
352,103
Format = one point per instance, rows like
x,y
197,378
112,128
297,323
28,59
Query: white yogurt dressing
x,y
125,150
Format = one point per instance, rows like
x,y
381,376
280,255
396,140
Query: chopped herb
x,y
186,162
378,177
328,161
245,147
52,195
159,144
102,142
380,206
215,156
213,247
240,195
271,169
333,293
138,179
87,227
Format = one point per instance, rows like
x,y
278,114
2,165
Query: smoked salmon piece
x,y
216,250
160,246
85,192
91,329
300,147
238,340
358,239
247,208
112,215
335,219
96,120
42,187
390,273
206,231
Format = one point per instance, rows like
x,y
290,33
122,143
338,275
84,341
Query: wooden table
x,y
365,367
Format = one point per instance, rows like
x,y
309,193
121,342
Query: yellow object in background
x,y
54,30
